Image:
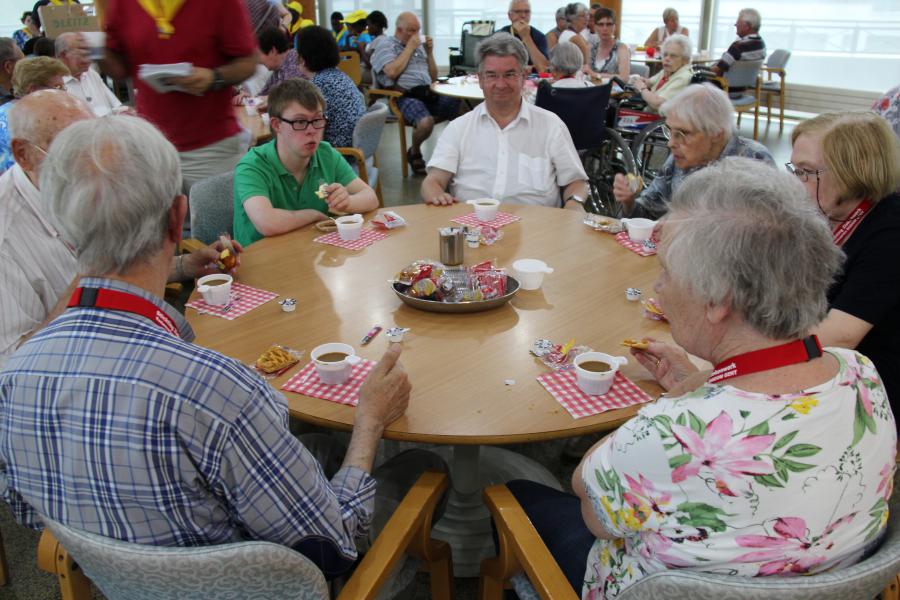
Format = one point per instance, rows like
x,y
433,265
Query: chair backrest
x,y
484,27
126,571
583,110
743,73
469,45
212,207
640,69
367,133
351,65
778,59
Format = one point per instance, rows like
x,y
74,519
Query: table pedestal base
x,y
466,524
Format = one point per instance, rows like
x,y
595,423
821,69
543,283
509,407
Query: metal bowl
x,y
512,286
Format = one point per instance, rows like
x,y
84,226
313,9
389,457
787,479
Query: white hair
x,y
109,184
751,17
566,58
682,40
746,235
512,2
703,107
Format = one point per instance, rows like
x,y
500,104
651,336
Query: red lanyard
x,y
847,228
767,359
122,301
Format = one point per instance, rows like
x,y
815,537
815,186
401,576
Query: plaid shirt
x,y
112,425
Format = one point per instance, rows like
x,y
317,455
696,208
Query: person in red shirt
x,y
215,37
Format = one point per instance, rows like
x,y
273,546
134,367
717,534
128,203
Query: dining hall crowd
x,y
777,460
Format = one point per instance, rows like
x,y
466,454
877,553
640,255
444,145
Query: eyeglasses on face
x,y
509,76
521,11
803,174
302,124
679,136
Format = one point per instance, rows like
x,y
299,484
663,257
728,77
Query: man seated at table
x,y
296,179
505,148
520,26
748,47
84,83
36,266
701,131
186,446
405,62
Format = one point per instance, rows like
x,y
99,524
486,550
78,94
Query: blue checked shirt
x,y
112,425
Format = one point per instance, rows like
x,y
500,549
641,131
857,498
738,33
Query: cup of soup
x,y
639,230
595,371
334,362
349,227
485,208
215,288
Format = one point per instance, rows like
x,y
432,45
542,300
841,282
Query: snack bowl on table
x,y
470,306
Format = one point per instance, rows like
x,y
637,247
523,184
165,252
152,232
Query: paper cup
x,y
485,209
639,230
334,372
597,383
214,293
349,227
530,272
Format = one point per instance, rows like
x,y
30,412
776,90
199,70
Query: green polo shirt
x,y
260,173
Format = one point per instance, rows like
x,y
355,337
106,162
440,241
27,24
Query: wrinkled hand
x,y
338,198
444,199
622,192
203,261
414,42
669,365
197,82
384,395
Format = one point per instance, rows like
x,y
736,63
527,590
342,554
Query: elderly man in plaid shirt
x,y
112,422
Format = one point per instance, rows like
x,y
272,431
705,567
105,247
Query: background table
x,y
464,87
458,364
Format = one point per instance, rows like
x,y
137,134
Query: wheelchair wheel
x,y
601,165
650,149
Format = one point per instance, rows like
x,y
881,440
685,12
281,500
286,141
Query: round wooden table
x,y
458,363
464,87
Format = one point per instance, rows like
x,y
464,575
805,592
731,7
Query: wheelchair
x,y
462,58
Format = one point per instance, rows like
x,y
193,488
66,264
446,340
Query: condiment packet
x,y
388,220
276,360
552,354
490,235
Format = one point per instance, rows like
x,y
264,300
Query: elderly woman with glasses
x,y
29,75
577,15
849,165
700,131
674,77
777,462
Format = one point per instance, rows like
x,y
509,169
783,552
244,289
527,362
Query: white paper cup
x,y
349,227
485,208
597,383
639,230
334,373
530,272
215,295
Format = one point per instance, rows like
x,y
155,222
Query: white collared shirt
x,y
36,266
90,88
527,162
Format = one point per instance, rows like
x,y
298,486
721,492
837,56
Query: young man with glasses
x,y
296,179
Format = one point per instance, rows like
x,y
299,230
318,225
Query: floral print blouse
x,y
739,483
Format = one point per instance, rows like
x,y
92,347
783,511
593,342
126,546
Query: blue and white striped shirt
x,y
112,425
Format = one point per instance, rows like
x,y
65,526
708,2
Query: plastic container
x,y
639,230
530,272
215,295
485,209
334,372
597,383
349,227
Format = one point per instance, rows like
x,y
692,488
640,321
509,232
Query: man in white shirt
x,y
506,148
84,83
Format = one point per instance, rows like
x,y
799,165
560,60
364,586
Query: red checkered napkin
x,y
243,299
307,382
500,220
562,386
636,247
366,238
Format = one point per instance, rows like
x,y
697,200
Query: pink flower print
x,y
656,546
729,460
886,485
644,498
792,552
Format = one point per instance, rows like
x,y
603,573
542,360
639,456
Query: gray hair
x,y
682,40
704,107
574,9
64,41
561,12
109,184
8,49
725,215
751,17
669,12
502,44
511,2
566,58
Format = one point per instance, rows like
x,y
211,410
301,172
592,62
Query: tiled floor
x,y
21,545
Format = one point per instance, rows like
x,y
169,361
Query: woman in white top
x,y
609,56
671,26
674,77
565,66
577,15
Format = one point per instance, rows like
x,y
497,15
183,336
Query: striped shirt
x,y
36,266
112,425
749,47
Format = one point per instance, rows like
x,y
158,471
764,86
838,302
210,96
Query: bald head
x,y
72,49
407,26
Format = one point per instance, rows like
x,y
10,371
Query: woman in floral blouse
x,y
780,461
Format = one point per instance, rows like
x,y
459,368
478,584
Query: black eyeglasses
x,y
302,124
803,174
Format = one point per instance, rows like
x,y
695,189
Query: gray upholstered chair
x,y
745,74
521,549
775,64
212,207
366,137
640,69
246,570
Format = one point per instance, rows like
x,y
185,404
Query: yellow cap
x,y
356,15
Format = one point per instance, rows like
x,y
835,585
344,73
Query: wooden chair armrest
x,y
385,93
56,560
409,528
360,158
777,70
522,548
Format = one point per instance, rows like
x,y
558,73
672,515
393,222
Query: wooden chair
x,y
775,65
351,65
392,96
366,137
745,74
125,571
521,549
